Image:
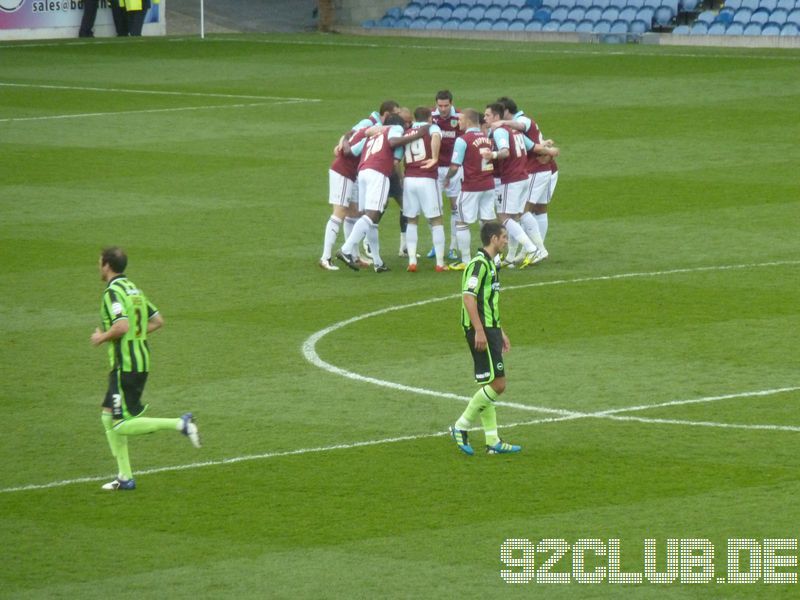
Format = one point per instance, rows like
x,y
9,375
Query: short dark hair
x,y
388,106
444,95
395,120
508,103
422,113
114,257
497,108
472,115
489,230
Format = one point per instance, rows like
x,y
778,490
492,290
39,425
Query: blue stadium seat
x,y
386,22
492,13
628,14
654,4
717,29
619,27
637,4
501,25
559,14
771,29
460,12
698,29
602,27
742,16
418,23
790,29
395,12
509,13
467,25
476,13
689,5
646,14
639,27
484,25
593,14
673,5
471,2
567,3
584,4
707,17
428,11
751,4
585,26
525,14
576,14
779,16
534,4
516,3
770,5
534,26
663,16
435,23
681,30
725,15
412,10
451,24
542,15
610,14
794,17
567,26
517,25
761,16
551,26
734,4
735,29
786,4
752,29
444,12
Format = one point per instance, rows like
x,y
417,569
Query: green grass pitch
x,y
672,289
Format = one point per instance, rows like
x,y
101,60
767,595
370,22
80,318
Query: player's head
x,y
387,108
494,112
113,259
405,114
494,236
509,105
469,118
395,120
444,102
422,114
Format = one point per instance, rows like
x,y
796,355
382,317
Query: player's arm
x,y
405,139
471,306
501,142
506,341
436,146
116,331
459,152
154,318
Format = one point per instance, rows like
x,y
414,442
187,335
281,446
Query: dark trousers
x,y
87,21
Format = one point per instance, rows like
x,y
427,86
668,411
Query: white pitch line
x,y
311,355
154,92
137,112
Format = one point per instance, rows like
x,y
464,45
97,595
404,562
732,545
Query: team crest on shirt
x,y
116,309
472,283
453,123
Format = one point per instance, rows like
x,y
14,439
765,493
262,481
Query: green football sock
x,y
142,425
489,422
119,447
482,399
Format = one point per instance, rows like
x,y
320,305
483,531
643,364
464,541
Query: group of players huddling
x,y
493,165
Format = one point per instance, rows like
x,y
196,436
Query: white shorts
x,y
553,182
454,188
539,189
421,195
340,189
373,190
472,205
513,197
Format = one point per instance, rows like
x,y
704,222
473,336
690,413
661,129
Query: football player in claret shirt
x,y
540,168
378,156
476,199
420,189
445,116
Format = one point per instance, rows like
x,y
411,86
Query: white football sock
x,y
516,232
437,232
412,236
374,244
543,222
531,227
331,231
464,243
360,230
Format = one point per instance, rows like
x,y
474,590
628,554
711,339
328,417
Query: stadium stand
x,y
623,20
